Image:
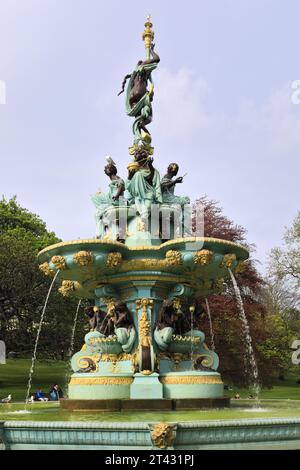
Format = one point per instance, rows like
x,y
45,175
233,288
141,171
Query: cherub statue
x,y
104,200
139,98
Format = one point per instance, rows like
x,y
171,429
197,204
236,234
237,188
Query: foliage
x,y
227,326
23,288
285,261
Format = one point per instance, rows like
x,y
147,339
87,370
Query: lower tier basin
x,y
271,424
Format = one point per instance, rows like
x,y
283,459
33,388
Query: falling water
x,y
249,352
192,338
74,329
37,339
212,335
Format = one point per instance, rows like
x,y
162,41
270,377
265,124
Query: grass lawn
x,y
287,388
14,378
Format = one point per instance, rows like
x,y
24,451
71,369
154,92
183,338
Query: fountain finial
x,y
148,36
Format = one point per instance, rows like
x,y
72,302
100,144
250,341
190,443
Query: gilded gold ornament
x,y
68,287
148,33
101,380
191,379
115,357
228,260
173,258
59,262
85,361
144,323
44,267
83,258
114,260
163,435
203,257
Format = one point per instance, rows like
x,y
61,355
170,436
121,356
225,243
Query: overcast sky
x,y
223,105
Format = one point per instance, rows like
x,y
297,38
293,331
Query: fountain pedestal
x,y
146,387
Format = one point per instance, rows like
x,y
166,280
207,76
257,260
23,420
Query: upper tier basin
x,y
200,262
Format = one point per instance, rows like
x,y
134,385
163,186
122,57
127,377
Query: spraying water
x,y
250,361
212,335
74,329
37,339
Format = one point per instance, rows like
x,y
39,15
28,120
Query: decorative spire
x,y
148,36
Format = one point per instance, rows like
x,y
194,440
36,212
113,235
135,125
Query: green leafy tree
x,y
285,261
23,288
228,327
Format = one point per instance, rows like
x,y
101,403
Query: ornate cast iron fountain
x,y
143,275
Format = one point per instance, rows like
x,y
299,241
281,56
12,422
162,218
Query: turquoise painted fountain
x,y
143,275
145,352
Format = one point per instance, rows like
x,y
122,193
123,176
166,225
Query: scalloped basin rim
x,y
207,242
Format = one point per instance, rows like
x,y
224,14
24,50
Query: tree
x,y
23,287
224,311
285,262
282,294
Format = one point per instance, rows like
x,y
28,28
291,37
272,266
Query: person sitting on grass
x,y
55,393
40,396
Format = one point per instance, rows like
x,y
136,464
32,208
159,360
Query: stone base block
x,y
146,387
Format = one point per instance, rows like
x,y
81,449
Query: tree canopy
x,y
23,287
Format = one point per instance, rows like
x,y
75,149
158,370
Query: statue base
x,y
173,385
146,386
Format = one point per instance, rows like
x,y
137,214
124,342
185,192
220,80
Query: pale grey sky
x,y
222,106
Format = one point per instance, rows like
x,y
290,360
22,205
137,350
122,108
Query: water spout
x,y
212,335
250,361
37,340
74,329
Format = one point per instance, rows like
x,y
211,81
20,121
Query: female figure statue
x,y
102,200
143,184
139,98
